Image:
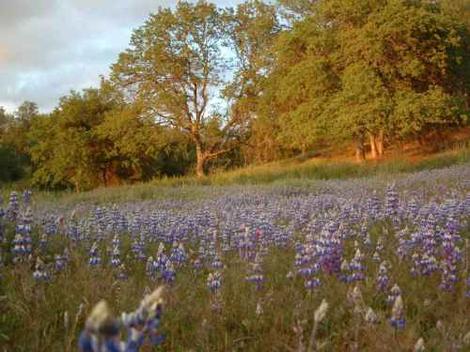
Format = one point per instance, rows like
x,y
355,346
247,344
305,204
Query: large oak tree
x,y
175,67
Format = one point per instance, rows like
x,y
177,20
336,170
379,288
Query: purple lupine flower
x,y
61,261
116,257
197,264
43,240
256,273
40,273
151,267
391,201
397,319
345,275
395,291
382,277
178,254
27,194
169,272
19,248
95,259
101,333
13,207
217,263
357,267
312,283
121,274
467,290
214,281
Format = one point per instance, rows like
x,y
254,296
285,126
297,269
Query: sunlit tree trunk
x,y
379,143
373,146
200,161
360,150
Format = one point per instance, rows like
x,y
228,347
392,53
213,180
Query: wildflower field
x,y
366,264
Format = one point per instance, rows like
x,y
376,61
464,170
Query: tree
x,y
17,126
353,70
65,151
253,28
174,67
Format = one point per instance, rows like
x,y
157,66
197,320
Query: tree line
x,y
202,87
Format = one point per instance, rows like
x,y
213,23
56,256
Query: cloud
x,y
48,48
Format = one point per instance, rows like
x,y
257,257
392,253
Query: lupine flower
x,y
19,248
217,263
122,273
95,259
197,264
397,319
256,273
354,297
169,272
312,283
391,201
467,290
40,273
214,281
371,317
394,293
382,277
60,261
27,194
13,207
143,324
357,266
345,275
115,257
178,254
101,333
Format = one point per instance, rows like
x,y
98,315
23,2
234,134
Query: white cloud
x,y
49,47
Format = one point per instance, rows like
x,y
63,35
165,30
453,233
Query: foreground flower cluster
x,y
366,238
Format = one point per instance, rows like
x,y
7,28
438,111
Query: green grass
x,y
33,314
287,172
319,170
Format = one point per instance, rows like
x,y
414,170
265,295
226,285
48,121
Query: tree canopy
x,y
203,87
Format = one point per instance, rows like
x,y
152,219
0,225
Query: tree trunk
x,y
200,161
104,176
373,146
379,143
360,150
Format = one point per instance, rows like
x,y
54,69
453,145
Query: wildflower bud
x,y
66,320
259,309
419,346
320,313
371,317
440,327
151,301
397,320
466,339
101,320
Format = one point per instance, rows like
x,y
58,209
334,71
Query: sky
x,y
49,47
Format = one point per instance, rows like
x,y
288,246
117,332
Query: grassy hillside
x,y
323,169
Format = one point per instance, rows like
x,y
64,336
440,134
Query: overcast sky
x,y
48,47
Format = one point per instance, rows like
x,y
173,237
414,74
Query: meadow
x,y
375,262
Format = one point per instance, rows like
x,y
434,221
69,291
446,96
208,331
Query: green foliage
x,y
397,69
12,165
105,141
225,87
